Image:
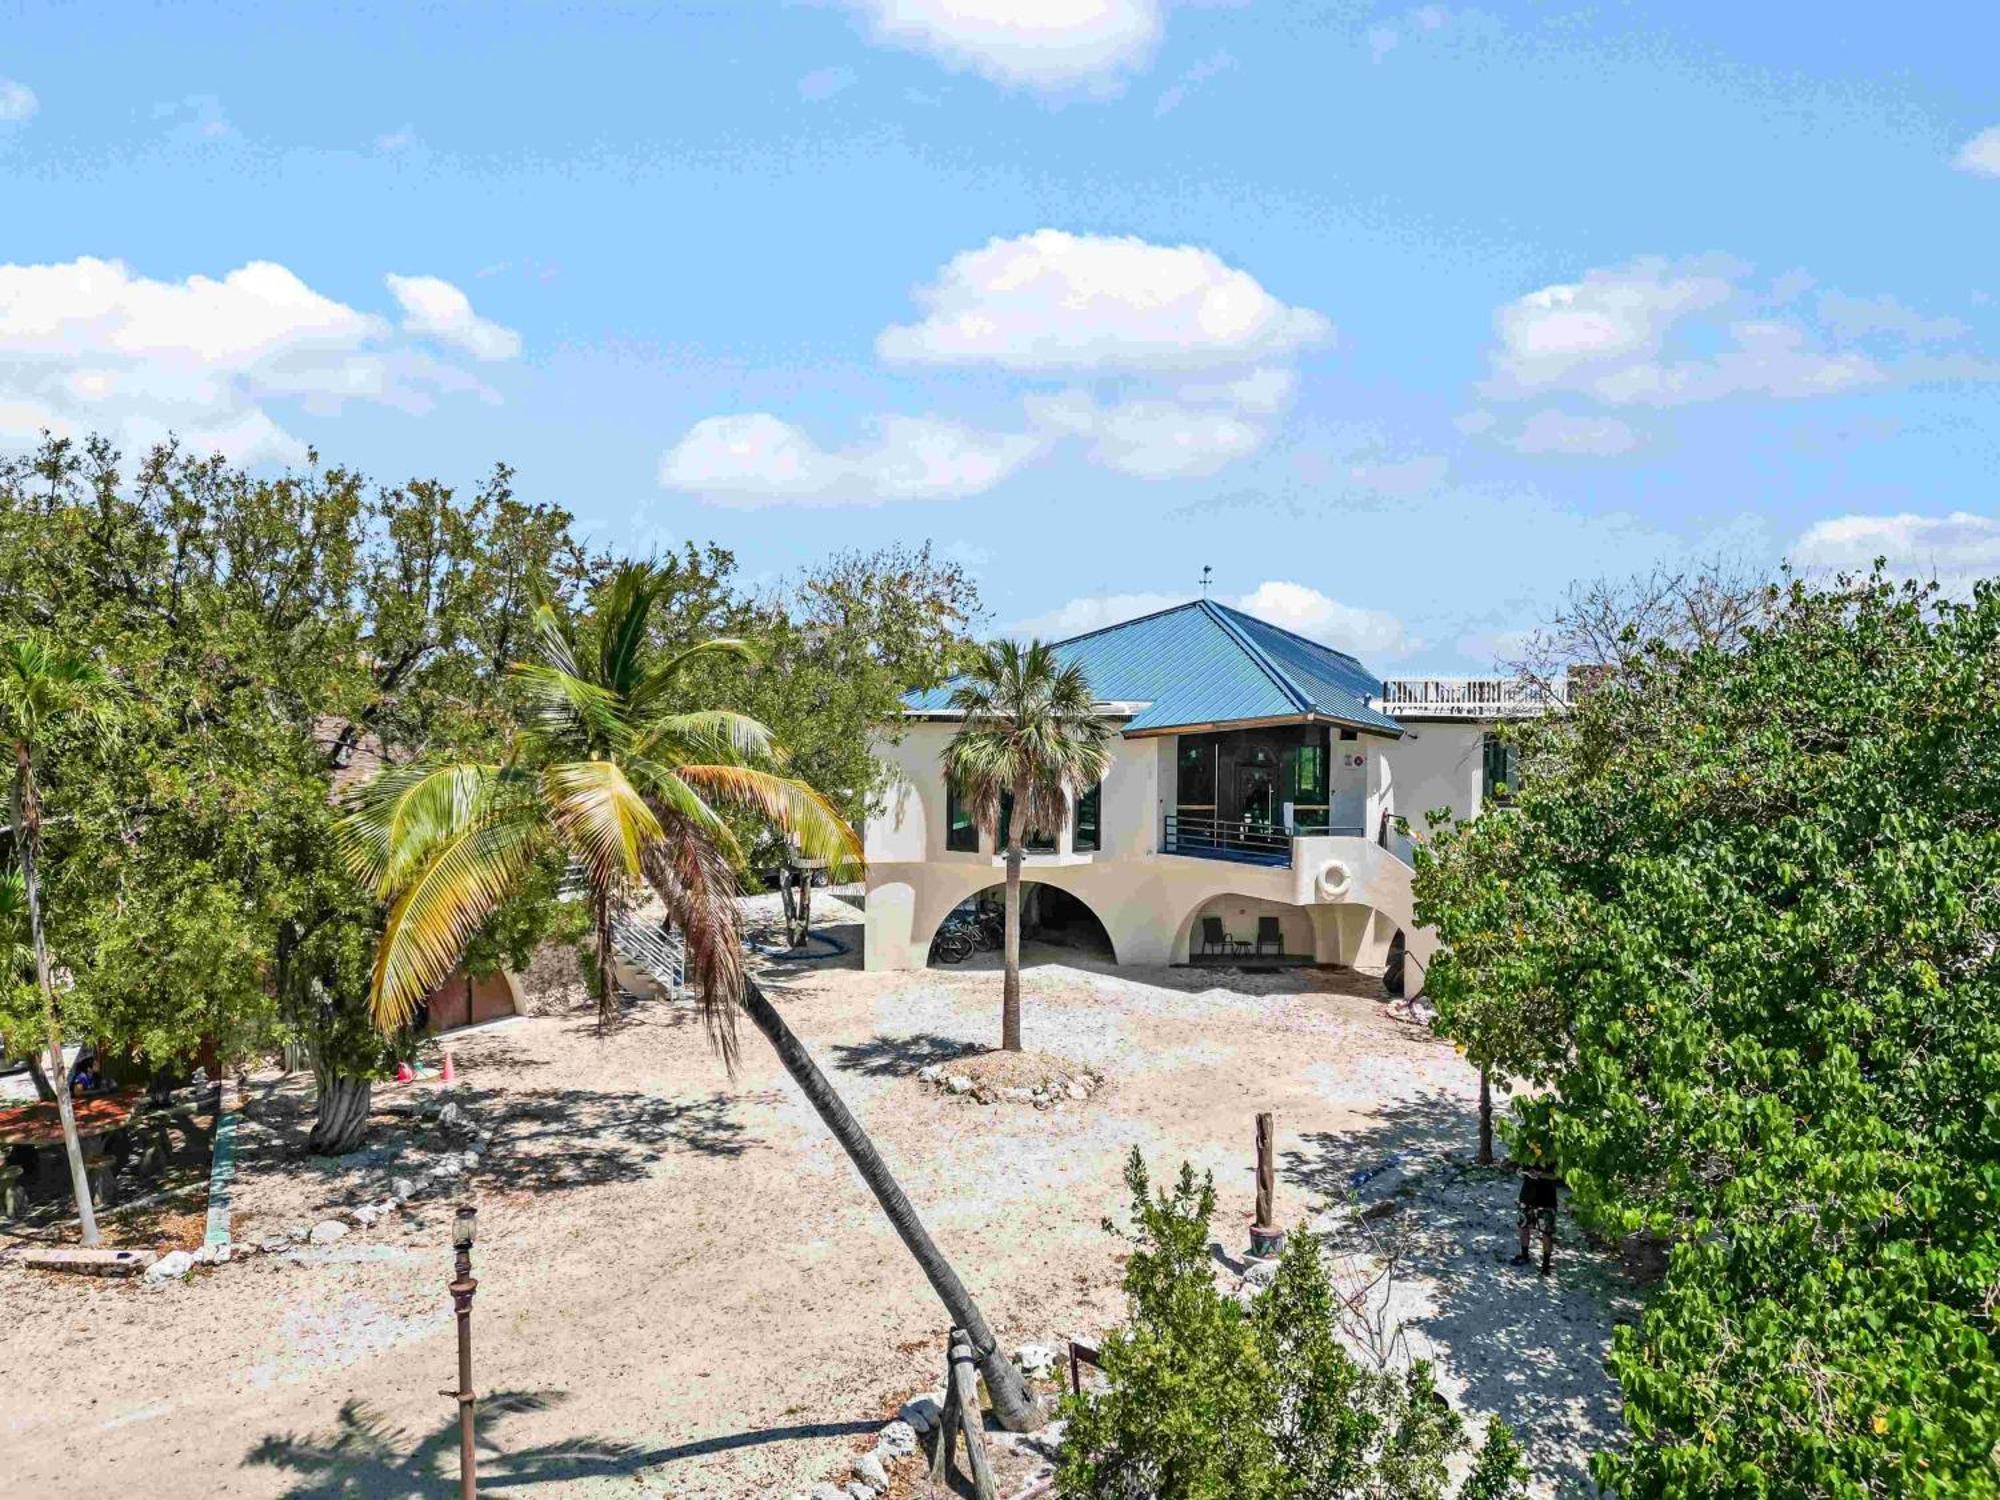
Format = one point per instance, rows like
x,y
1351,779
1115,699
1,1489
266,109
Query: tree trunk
x,y
805,908
468,997
40,1074
1010,982
1011,1404
27,843
1485,1118
343,1114
607,982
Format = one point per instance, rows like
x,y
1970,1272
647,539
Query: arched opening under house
x,y
1055,926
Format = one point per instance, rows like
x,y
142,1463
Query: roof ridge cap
x,y
1303,640
1220,615
1070,640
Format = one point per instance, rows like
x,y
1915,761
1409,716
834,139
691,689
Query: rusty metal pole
x,y
1266,1239
462,1288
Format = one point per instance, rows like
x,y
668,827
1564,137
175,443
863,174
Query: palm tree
x,y
41,684
608,772
1030,735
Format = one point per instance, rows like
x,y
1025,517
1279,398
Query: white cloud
x,y
1293,606
755,459
1345,627
1661,334
1555,431
1150,438
88,345
1981,154
1954,549
1094,612
1047,44
436,309
1610,321
1170,364
17,100
822,84
1052,301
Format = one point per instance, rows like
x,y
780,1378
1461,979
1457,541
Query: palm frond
x,y
570,710
621,618
600,815
663,786
397,818
707,732
660,679
558,645
791,806
436,914
695,883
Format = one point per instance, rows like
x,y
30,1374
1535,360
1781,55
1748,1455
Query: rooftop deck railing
x,y
1468,697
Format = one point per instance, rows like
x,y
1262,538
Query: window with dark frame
x,y
1087,823
961,833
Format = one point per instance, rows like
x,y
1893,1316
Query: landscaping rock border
x,y
1073,1088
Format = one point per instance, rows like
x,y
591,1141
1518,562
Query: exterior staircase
x,y
657,953
651,951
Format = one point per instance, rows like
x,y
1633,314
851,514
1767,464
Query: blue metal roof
x,y
1205,663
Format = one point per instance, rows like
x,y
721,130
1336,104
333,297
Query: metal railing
x,y
1215,838
658,954
1469,697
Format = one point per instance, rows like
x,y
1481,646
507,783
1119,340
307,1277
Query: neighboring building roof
x,y
1205,663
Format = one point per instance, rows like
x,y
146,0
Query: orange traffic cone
x,y
450,1072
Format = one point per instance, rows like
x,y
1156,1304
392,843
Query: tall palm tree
x,y
41,684
1030,735
608,772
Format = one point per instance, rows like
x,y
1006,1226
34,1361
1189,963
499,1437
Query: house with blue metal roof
x,y
1253,811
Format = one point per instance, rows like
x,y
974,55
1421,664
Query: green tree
x,y
1029,736
1741,930
610,772
1206,1399
40,686
278,638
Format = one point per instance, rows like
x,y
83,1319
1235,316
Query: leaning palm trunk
x,y
1011,1402
28,829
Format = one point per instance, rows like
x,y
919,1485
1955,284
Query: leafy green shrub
x,y
1742,927
1210,1400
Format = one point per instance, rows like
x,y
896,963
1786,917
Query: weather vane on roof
x,y
1205,571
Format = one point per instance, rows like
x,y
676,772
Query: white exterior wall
x,y
1147,901
1434,765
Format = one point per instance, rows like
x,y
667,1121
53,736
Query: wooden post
x,y
1266,1239
961,1419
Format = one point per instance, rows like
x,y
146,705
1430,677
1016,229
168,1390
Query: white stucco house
x,y
1247,814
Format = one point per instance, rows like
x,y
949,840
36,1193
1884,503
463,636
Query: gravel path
x,y
686,1291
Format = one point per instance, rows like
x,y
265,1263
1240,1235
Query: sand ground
x,y
685,1290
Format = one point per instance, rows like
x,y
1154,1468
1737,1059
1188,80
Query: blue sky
x,y
1399,317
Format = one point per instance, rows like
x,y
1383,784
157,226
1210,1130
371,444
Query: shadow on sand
x,y
900,1056
1529,1349
367,1457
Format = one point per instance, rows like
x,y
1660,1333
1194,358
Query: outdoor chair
x,y
1268,931
1213,938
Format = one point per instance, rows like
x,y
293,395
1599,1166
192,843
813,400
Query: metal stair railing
x,y
658,953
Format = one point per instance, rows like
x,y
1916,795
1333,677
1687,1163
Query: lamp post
x,y
462,1287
